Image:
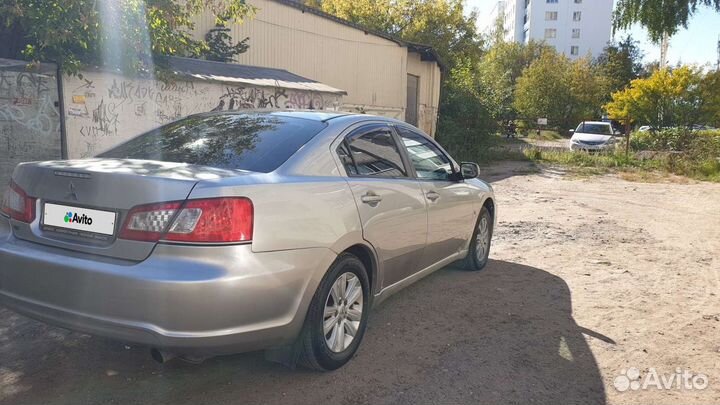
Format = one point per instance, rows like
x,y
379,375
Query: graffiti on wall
x,y
28,100
104,109
29,119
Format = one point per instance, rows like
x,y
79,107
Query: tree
x,y
498,32
710,97
562,91
500,69
542,87
220,46
661,18
620,63
125,34
667,98
587,92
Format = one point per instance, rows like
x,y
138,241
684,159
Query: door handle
x,y
432,196
371,198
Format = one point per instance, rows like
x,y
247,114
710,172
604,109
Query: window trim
x,y
362,127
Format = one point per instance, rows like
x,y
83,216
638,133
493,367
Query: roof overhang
x,y
243,74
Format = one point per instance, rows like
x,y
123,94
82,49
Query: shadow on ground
x,y
504,335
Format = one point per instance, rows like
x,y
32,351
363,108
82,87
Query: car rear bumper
x,y
201,300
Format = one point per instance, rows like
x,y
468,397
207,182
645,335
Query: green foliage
x,y
681,97
686,164
612,159
673,139
694,154
499,71
659,17
124,34
563,91
465,121
709,90
220,46
620,63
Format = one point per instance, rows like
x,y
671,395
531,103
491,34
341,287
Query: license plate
x,y
79,219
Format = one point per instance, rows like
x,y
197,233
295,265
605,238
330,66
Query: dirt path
x,y
589,278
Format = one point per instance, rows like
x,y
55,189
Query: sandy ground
x,y
589,278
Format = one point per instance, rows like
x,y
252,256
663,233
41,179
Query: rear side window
x,y
372,151
253,142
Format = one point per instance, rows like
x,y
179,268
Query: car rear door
x,y
451,202
391,203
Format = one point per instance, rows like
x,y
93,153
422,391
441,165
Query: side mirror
x,y
572,131
469,170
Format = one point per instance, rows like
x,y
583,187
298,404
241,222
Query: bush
x,y
673,139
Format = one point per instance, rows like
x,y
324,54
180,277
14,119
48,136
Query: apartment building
x,y
576,28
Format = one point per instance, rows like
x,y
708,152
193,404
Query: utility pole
x,y
717,67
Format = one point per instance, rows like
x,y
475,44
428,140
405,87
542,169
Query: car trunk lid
x,y
103,191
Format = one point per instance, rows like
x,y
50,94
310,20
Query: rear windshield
x,y
598,129
254,142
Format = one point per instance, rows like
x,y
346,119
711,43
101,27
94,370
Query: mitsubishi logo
x,y
71,193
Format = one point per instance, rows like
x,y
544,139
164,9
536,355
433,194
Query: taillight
x,y
17,204
149,222
212,220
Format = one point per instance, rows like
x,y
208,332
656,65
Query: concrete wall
x,y
29,119
103,109
372,70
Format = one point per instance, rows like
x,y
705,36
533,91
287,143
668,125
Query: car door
x,y
451,209
391,203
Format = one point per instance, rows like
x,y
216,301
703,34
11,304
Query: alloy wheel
x,y
343,312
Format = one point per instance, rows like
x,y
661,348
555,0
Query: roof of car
x,y
596,122
315,115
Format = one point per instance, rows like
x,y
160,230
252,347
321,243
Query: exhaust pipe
x,y
161,356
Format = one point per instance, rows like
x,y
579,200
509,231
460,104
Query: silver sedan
x,y
231,232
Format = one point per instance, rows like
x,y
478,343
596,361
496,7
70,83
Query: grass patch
x,y
616,161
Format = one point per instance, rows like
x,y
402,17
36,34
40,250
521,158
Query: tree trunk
x,y
664,45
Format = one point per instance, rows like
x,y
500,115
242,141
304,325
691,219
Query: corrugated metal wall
x,y
372,70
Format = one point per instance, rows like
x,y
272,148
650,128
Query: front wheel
x,y
337,317
479,251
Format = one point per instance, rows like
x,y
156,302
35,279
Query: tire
x,y
315,345
475,261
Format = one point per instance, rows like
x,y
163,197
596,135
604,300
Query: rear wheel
x,y
337,317
479,251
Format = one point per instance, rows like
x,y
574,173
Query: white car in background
x,y
594,135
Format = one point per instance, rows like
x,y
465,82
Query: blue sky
x,y
695,45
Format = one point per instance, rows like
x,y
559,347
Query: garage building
x,y
381,74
